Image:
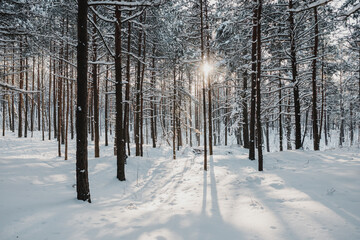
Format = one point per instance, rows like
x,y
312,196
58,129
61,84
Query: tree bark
x,y
120,130
280,114
253,82
54,95
226,122
26,96
138,98
95,91
127,90
71,107
288,127
106,104
174,113
245,112
342,112
59,102
294,78
203,80
66,118
4,97
322,92
152,101
82,182
49,97
316,138
142,92
13,97
351,127
42,98
258,88
20,94
32,98
208,79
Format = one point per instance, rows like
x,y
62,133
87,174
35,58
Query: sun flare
x,y
206,68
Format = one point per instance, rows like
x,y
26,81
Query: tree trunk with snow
x,y
82,181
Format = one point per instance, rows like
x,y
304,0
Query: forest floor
x,y
299,195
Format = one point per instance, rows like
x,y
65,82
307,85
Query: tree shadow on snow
x,y
209,224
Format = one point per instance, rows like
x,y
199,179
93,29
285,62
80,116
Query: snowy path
x,y
300,195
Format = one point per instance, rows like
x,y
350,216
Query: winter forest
x,y
188,119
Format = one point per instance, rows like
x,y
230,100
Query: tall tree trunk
x,y
91,114
305,127
65,75
138,98
226,115
218,105
127,90
174,112
66,118
253,82
20,94
54,95
152,101
13,97
288,127
26,96
120,130
294,78
190,112
38,96
245,111
325,124
314,87
197,107
4,97
42,98
71,107
3,116
32,98
96,91
267,136
202,78
204,112
106,104
208,79
49,97
72,101
142,93
59,101
342,113
178,127
280,114
322,92
258,88
82,181
359,91
351,125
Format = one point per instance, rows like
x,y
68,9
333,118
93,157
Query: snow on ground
x,y
300,195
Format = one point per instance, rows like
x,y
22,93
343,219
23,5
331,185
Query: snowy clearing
x,y
300,195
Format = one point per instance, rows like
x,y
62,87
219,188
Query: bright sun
x,y
207,68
